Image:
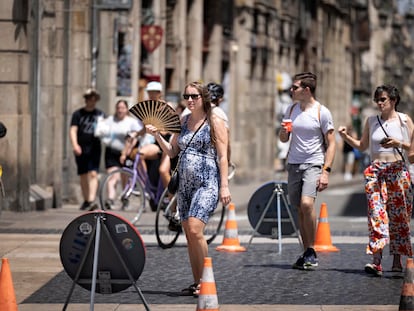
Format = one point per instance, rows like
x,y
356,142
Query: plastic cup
x,y
287,124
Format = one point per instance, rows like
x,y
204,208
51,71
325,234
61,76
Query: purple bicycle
x,y
129,190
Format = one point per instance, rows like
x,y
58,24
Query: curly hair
x,y
391,90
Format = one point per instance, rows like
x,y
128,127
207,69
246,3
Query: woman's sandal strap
x,y
190,290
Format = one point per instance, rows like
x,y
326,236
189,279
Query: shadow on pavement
x,y
356,205
258,276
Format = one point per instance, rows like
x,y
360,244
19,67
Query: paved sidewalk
x,y
35,262
192,307
31,240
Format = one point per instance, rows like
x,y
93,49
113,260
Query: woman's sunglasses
x,y
193,96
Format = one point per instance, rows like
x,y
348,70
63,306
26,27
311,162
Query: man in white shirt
x,y
311,154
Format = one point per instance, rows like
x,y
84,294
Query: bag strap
x,y
176,167
386,134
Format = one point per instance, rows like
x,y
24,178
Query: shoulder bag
x,y
175,179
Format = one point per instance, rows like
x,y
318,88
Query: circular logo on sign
x,y
85,228
128,243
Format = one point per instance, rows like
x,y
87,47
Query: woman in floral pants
x,y
387,179
389,196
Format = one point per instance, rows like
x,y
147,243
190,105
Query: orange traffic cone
x,y
231,241
323,242
7,296
407,292
207,298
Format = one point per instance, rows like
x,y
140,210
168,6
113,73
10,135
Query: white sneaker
x,y
348,176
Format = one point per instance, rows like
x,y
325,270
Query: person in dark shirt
x,y
3,130
87,147
349,155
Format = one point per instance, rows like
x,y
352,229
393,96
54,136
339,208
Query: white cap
x,y
154,86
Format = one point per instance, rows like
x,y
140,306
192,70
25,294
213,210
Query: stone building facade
x,y
52,50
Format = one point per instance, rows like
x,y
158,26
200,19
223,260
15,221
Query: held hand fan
x,y
157,113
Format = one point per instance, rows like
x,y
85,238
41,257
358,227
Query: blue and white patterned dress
x,y
198,191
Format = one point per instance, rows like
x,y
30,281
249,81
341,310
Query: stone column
x,y
194,40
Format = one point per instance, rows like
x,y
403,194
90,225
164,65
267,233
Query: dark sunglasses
x,y
193,96
295,87
382,99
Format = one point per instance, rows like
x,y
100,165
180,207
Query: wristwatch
x,y
327,168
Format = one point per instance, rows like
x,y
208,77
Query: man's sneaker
x,y
310,259
93,206
374,269
125,204
108,204
85,205
299,264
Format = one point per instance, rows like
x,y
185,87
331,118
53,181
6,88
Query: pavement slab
x,y
259,279
259,276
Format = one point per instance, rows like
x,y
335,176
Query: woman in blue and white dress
x,y
203,171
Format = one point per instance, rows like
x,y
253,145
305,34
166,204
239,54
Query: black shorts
x,y
88,162
112,157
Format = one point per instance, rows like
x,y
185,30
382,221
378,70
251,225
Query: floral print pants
x,y
390,200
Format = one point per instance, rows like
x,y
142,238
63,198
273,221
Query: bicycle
x,y
166,211
133,189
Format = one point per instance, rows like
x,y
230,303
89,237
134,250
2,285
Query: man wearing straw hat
x,y
87,147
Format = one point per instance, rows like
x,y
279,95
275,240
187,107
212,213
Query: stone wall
x,y
46,64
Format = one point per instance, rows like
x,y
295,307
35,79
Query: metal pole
x,y
279,221
95,259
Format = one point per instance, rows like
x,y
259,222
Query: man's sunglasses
x,y
193,96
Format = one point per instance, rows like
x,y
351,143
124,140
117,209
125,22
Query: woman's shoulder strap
x,y
402,116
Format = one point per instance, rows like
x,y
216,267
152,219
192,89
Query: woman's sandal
x,y
197,291
191,290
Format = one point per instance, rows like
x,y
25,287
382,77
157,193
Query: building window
x,y
124,61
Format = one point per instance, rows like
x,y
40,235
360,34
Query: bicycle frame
x,y
140,175
129,187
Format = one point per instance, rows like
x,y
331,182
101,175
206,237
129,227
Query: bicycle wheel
x,y
166,238
214,223
127,199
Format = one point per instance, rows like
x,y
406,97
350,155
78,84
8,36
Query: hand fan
x,y
157,113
